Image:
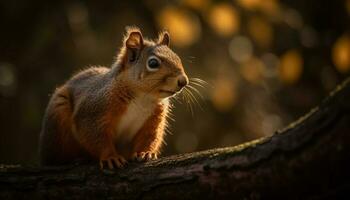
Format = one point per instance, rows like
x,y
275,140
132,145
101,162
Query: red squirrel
x,y
113,115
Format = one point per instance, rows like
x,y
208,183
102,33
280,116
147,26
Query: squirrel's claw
x,y
113,162
144,156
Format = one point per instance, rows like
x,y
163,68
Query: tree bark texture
x,y
310,159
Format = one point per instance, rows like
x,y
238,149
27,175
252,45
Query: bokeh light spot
x,y
7,76
253,70
183,26
291,67
261,31
249,4
341,54
224,19
241,48
224,94
271,8
8,79
200,5
271,62
77,15
268,7
293,18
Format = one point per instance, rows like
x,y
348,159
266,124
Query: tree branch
x,y
308,159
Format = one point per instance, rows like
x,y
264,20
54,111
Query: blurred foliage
x,y
266,62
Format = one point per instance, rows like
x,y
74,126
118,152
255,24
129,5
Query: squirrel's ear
x,y
133,43
164,38
134,39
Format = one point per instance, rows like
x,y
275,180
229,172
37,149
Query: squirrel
x,y
117,114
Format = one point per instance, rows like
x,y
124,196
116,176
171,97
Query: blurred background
x,y
266,62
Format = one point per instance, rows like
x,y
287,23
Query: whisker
x,y
185,97
176,98
197,84
196,91
198,80
191,101
188,102
194,99
188,95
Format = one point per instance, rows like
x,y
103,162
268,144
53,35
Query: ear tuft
x,y
133,38
164,38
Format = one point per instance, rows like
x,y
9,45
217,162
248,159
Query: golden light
x,y
253,70
183,26
261,31
290,67
347,5
341,54
200,5
224,94
268,7
249,4
271,8
224,19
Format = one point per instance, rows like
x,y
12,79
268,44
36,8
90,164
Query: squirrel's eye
x,y
153,63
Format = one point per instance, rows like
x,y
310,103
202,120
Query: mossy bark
x,y
308,159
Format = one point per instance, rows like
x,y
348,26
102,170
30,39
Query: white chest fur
x,y
137,112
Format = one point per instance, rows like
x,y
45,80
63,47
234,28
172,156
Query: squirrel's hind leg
x,y
57,144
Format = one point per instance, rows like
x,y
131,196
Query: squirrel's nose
x,y
182,81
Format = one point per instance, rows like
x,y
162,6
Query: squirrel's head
x,y
150,67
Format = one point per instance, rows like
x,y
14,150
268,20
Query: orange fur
x,y
59,111
150,137
83,117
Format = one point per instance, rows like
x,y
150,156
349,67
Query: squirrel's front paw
x,y
144,156
113,162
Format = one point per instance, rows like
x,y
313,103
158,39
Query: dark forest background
x,y
266,62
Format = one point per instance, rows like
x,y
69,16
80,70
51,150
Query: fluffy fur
x,y
113,114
